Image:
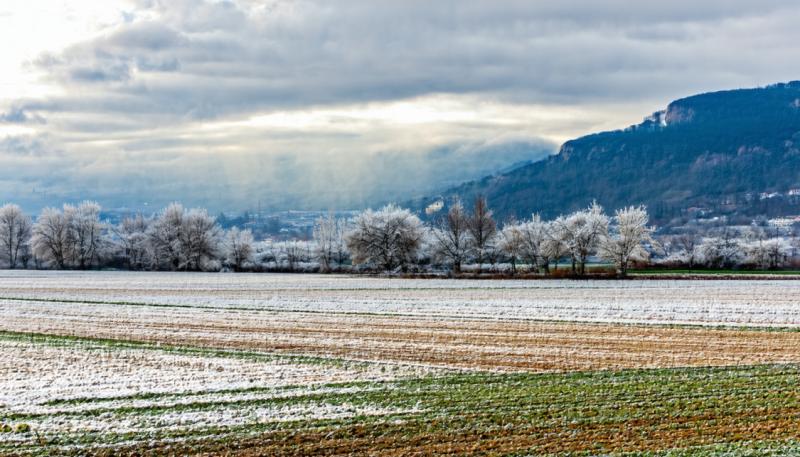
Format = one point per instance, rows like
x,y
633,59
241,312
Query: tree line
x,y
390,239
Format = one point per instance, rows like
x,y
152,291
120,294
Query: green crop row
x,y
674,412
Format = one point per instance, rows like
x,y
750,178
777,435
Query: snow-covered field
x,y
108,358
710,302
62,386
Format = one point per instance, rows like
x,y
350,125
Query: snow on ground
x,y
749,302
79,387
61,386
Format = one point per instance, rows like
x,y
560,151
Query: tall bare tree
x,y
482,228
451,236
330,246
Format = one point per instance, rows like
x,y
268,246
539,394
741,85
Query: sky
x,y
308,104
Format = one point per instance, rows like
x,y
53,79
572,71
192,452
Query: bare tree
x,y
723,250
266,252
330,245
771,253
295,252
238,248
341,254
482,229
387,238
778,252
50,239
689,244
625,242
15,233
451,236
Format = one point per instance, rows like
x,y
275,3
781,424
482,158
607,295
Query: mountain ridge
x,y
718,151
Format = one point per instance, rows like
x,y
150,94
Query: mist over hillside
x,y
339,180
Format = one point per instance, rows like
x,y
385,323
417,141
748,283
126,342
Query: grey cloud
x,y
19,115
148,65
175,63
143,36
117,72
19,145
229,58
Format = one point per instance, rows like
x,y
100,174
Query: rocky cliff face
x,y
678,114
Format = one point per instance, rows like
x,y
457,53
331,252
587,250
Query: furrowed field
x,y
113,363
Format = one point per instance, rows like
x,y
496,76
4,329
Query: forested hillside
x,y
734,153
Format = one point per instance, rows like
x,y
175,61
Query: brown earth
x,y
394,440
502,345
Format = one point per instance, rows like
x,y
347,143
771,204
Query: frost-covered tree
x,y
387,239
183,239
689,247
723,250
482,229
293,253
451,236
266,253
555,246
15,233
625,241
341,254
164,237
581,232
772,253
238,248
199,241
86,233
51,238
132,241
325,238
535,235
329,239
511,243
563,236
778,252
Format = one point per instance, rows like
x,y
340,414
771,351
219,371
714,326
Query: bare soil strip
x,y
474,344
